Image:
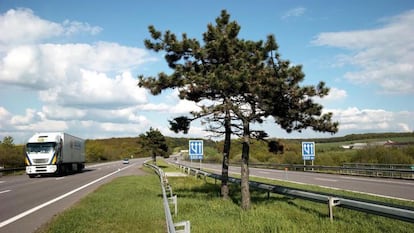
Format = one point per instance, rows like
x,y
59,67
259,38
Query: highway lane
x,y
391,188
27,203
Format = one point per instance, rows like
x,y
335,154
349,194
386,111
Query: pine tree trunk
x,y
154,158
245,191
226,157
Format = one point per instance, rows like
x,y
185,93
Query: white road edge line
x,y
34,209
325,179
5,191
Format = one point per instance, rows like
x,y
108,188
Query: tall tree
x,y
203,75
154,142
8,141
236,83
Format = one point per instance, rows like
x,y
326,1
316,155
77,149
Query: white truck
x,y
54,153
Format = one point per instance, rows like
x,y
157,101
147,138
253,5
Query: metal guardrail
x,y
403,213
11,170
171,226
400,171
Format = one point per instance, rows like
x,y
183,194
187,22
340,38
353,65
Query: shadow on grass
x,y
208,190
163,166
196,191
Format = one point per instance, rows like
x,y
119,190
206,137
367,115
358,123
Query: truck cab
x,y
54,153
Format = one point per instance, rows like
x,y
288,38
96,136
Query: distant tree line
x,y
364,136
11,156
327,153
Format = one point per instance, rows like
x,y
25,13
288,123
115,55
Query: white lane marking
x,y
267,170
60,178
324,179
2,181
264,172
5,191
34,209
379,181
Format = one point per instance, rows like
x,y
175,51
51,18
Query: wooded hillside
x,y
328,150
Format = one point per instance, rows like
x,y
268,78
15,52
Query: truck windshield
x,y
40,147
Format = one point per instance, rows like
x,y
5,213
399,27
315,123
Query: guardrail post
x,y
173,199
186,227
394,212
332,201
169,188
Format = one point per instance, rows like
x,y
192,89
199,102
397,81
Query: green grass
x,y
134,204
127,204
200,203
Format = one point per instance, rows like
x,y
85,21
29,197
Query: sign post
x,y
308,152
195,150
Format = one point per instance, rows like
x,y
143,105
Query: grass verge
x,y
134,204
200,203
127,204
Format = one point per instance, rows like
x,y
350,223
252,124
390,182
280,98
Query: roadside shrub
x,y
382,155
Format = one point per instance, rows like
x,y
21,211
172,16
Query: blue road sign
x,y
195,149
308,150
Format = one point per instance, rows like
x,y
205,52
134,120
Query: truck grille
x,y
40,161
40,169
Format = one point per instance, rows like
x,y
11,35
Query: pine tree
x,y
236,83
154,142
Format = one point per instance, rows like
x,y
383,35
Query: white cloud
x,y
184,107
384,56
88,88
162,107
20,66
75,27
98,90
34,121
171,103
373,120
4,118
58,112
335,94
121,115
405,127
295,12
28,118
69,74
33,29
49,65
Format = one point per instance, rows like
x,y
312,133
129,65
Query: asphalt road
x,y
390,188
26,204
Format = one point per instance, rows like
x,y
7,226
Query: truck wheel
x,y
80,167
61,170
32,176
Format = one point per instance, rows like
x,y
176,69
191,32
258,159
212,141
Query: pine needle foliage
x,y
236,83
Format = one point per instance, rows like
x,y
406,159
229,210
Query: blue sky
x,y
72,65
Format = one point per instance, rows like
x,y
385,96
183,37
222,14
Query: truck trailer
x,y
54,153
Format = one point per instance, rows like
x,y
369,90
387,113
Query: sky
x,y
72,66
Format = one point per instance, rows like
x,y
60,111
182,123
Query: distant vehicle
x,y
54,153
125,161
